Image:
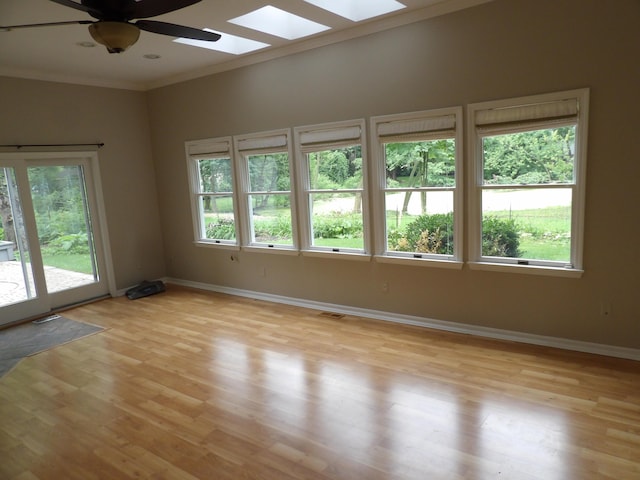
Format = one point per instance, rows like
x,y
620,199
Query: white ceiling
x,y
53,53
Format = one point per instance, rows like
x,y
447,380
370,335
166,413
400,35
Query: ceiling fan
x,y
114,28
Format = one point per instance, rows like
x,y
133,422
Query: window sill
x,y
361,257
420,262
226,246
277,249
527,269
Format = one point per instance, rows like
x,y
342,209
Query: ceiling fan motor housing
x,y
116,36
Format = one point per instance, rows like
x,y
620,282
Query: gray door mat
x,y
28,339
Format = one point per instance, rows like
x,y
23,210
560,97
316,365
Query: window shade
x,y
444,123
563,109
201,149
311,137
258,143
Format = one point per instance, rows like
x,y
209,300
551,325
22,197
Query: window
x,y
333,201
266,189
212,189
418,158
528,198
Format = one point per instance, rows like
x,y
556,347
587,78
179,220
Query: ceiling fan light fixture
x,y
116,36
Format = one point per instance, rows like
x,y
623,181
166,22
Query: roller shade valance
x,y
444,123
261,143
523,114
208,148
336,135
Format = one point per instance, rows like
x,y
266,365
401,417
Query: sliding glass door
x,y
52,249
17,282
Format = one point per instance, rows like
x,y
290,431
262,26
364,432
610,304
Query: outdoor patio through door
x,y
51,242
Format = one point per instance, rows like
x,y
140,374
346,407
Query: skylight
x,y
228,43
274,21
358,10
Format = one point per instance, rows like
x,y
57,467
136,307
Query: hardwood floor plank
x,y
197,385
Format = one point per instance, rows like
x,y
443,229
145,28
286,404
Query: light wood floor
x,y
197,385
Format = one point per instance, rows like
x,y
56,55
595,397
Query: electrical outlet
x,y
385,287
605,309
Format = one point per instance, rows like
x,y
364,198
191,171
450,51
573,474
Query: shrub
x,y
426,234
51,222
337,225
500,238
73,243
275,228
431,233
434,234
222,229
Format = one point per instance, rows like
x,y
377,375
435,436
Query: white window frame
x,y
314,138
274,141
210,149
445,123
518,115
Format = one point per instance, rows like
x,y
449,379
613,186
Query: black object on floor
x,y
145,289
31,338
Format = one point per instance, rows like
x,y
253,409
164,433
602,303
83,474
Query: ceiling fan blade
x,y
8,28
79,6
173,30
153,8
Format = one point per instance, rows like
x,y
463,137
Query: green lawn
x,y
543,249
399,223
545,232
74,262
339,242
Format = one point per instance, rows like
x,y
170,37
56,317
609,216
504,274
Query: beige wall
x,y
35,112
503,49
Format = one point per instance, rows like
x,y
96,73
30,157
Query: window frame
x,y
425,125
317,138
273,141
532,117
211,148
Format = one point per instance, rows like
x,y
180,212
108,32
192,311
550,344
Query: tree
x,y
338,169
532,157
6,215
267,173
58,201
428,164
215,176
334,164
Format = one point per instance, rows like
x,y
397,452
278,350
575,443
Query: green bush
x,y
337,225
276,228
221,229
73,243
431,233
434,234
426,234
500,238
51,222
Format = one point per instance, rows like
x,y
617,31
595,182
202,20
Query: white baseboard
x,y
495,333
